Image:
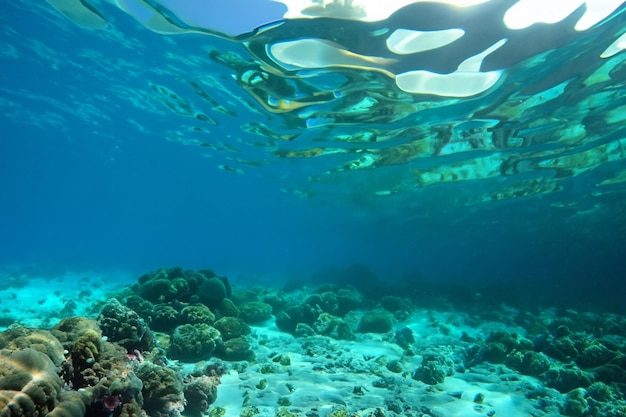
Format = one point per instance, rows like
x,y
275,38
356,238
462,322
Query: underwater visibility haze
x,y
477,141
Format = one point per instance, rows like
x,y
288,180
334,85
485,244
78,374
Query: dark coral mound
x,y
124,326
186,286
194,342
192,308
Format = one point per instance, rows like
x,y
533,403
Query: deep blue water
x,y
82,187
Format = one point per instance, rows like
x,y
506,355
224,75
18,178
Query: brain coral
x,y
20,337
30,386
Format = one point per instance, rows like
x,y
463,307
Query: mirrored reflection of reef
x,y
355,100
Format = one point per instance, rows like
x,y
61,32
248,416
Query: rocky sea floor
x,y
182,342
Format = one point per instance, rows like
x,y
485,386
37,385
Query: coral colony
x,y
184,343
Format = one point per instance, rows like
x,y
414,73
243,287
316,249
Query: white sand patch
x,y
324,373
229,395
511,403
439,327
44,301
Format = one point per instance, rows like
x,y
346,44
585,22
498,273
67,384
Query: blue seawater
x,y
130,144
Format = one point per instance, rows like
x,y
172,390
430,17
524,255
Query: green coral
x,y
567,379
332,326
162,389
212,292
232,327
178,285
575,404
200,392
376,321
255,312
394,366
88,346
164,318
277,299
194,342
82,338
500,344
283,412
288,319
217,412
530,363
338,411
599,391
236,349
393,304
495,352
595,355
228,308
196,314
249,412
124,326
434,369
348,300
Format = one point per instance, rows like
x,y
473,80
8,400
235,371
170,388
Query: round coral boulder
x,y
125,327
194,342
197,313
255,312
212,292
231,327
200,392
376,321
237,349
30,386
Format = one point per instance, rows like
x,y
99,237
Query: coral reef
x,y
231,327
199,392
164,318
434,369
124,326
188,286
377,355
236,349
92,376
162,390
332,326
21,337
255,312
288,319
212,292
194,342
30,386
376,321
196,314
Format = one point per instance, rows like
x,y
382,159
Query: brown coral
x,y
30,386
20,337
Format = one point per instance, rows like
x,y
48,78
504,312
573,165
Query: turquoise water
x,y
136,135
312,208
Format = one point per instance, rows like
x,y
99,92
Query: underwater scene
x,y
313,208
